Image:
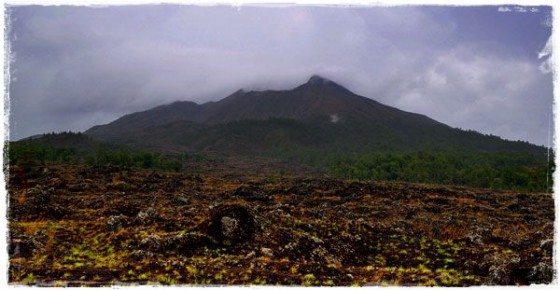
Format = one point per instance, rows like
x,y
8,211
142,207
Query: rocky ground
x,y
75,225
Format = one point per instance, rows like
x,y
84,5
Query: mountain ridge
x,y
317,96
327,114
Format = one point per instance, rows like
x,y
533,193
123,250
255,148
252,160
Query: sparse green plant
x,y
308,279
29,279
165,280
328,282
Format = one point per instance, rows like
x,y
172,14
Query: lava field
x,y
89,226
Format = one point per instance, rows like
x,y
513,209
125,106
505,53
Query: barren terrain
x,y
102,225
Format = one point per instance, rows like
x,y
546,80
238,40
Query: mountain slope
x,y
318,98
319,114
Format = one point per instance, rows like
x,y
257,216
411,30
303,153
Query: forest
x,y
31,155
496,170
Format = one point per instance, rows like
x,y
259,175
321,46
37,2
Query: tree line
x,y
31,155
500,170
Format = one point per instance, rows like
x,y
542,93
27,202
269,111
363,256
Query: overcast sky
x,y
469,67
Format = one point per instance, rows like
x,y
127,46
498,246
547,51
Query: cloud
x,y
76,67
489,93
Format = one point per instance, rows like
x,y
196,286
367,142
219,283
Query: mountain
x,y
317,115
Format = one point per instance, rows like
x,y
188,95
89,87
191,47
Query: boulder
x,y
231,224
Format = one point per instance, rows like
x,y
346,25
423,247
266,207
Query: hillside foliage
x,y
76,148
496,170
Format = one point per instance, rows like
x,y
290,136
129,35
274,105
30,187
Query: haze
x,y
480,68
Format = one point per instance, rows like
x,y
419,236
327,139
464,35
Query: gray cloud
x,y
504,97
76,67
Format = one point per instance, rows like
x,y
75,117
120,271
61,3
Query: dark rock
x,y
171,226
126,208
19,248
38,195
498,275
542,273
411,212
152,243
116,222
252,192
148,216
82,186
267,252
432,208
56,183
142,254
119,185
547,245
520,244
514,207
439,201
501,267
39,204
24,246
322,256
189,243
475,239
232,224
